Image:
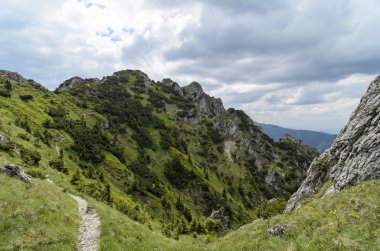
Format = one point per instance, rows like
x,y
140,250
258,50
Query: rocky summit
x,y
354,157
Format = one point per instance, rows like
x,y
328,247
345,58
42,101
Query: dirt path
x,y
57,148
89,229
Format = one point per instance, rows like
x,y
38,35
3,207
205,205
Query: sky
x,y
301,64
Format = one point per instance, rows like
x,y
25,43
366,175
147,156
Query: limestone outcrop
x,y
355,155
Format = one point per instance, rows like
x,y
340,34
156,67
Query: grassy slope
x,y
347,220
43,217
36,217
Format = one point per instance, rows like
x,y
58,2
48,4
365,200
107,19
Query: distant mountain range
x,y
319,140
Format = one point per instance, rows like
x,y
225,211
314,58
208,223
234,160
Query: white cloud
x,y
283,61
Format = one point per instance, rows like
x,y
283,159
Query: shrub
x,y
26,97
7,145
59,165
177,174
268,209
23,122
77,179
4,93
5,88
48,123
89,143
56,112
157,99
24,136
30,157
37,174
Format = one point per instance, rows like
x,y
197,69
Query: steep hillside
x,y
35,220
355,155
157,152
36,217
319,140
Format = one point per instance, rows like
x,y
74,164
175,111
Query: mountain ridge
x,y
130,142
319,140
157,163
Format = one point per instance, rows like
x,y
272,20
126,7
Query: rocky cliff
x,y
355,155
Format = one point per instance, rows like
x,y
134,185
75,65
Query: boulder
x,y
15,171
279,229
3,138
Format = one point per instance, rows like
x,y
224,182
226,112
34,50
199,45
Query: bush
x,y
157,99
24,136
268,209
59,165
77,179
177,174
48,123
37,174
4,93
30,157
5,88
7,145
26,97
46,137
56,112
89,143
23,122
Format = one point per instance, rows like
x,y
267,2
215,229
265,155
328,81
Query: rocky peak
x,y
205,104
12,75
174,85
290,138
70,83
76,82
194,88
355,155
141,76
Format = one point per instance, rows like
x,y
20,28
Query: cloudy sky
x,y
297,63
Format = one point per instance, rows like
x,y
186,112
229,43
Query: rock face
x,y
244,141
355,155
170,83
3,138
76,82
224,220
15,171
205,105
13,75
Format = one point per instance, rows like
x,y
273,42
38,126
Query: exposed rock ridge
x,y
355,155
15,171
76,82
13,75
206,104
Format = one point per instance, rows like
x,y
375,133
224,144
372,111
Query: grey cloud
x,y
298,45
237,6
140,49
294,45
